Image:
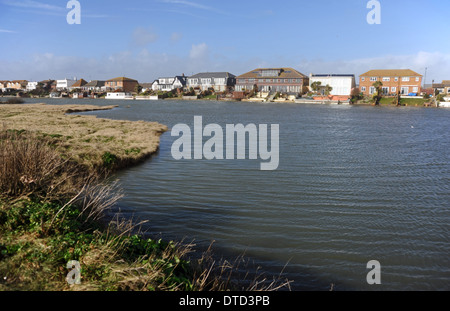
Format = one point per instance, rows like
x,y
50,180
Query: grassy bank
x,y
86,139
53,202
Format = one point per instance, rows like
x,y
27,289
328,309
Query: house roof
x,y
284,73
182,79
207,75
95,83
445,83
332,75
122,79
391,73
79,83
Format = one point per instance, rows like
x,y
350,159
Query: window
x,y
415,89
363,89
386,79
393,89
417,79
373,79
396,79
372,90
363,79
405,79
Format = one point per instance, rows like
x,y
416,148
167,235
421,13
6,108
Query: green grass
x,y
212,96
37,241
414,101
404,101
52,211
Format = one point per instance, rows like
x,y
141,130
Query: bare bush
x,y
30,166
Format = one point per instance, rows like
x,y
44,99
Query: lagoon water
x,y
354,184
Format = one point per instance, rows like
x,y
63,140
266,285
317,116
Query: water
x,y
354,184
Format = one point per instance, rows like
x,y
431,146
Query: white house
x,y
65,84
219,81
342,84
169,84
31,86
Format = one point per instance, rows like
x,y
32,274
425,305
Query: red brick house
x,y
121,84
283,80
404,81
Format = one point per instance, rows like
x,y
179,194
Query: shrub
x,y
109,159
31,166
440,97
13,101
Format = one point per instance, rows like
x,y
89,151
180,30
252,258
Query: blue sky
x,y
152,38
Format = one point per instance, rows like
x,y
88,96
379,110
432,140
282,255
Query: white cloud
x,y
176,36
190,4
142,36
7,31
30,4
194,5
199,51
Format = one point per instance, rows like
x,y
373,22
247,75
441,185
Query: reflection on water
x,y
354,184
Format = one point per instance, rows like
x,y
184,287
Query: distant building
x,y
404,81
78,85
169,84
341,84
146,87
49,85
4,85
219,81
17,84
442,88
283,80
64,85
121,84
94,86
31,86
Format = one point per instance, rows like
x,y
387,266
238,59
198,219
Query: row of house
x,y
122,83
283,80
290,81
